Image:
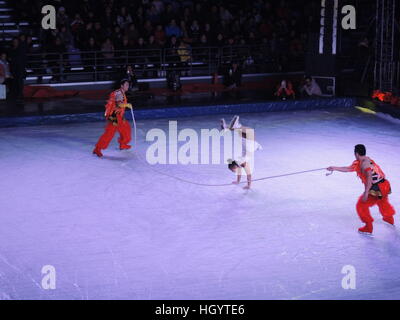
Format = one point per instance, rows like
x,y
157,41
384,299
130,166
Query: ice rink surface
x,y
113,228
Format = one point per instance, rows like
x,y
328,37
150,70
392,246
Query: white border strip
x,y
322,28
334,26
67,84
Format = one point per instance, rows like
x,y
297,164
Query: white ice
x,y
115,229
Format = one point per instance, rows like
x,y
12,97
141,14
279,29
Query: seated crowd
x,y
108,26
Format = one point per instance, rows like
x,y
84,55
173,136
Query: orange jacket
x,y
111,105
289,90
356,166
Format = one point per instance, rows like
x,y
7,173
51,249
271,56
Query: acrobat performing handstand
x,y
249,146
377,189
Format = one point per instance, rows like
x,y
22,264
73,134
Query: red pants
x,y
124,130
385,208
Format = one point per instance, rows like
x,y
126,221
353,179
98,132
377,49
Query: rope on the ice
x,y
215,185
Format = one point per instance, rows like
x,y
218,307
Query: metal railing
x,y
78,65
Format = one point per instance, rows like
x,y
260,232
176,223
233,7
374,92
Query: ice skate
x,y
367,229
125,147
97,152
223,124
235,124
389,220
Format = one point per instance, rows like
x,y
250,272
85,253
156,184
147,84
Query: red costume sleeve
x,y
110,106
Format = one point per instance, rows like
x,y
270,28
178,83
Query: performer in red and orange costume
x,y
377,189
114,114
285,90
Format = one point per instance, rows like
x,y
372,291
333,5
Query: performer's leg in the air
x,y
249,146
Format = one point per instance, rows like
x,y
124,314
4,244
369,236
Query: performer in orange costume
x,y
114,114
285,90
377,189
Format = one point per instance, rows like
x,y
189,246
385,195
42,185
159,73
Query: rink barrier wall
x,y
178,112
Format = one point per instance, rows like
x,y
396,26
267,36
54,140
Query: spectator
x,y
129,74
233,76
99,34
153,15
89,57
310,88
159,36
185,33
108,51
77,24
66,37
187,15
118,36
147,29
152,44
139,16
214,16
5,73
194,32
198,13
220,41
171,55
90,18
169,14
285,90
159,5
173,30
141,57
296,45
108,20
89,31
56,58
17,67
225,15
125,53
62,18
185,57
132,34
124,18
208,32
203,53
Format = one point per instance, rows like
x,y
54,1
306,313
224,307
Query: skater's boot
x,y
389,219
124,147
97,152
367,228
223,124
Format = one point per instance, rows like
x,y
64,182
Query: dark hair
x,y
122,82
360,149
233,165
307,78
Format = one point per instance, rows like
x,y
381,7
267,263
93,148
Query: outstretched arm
x,y
341,169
